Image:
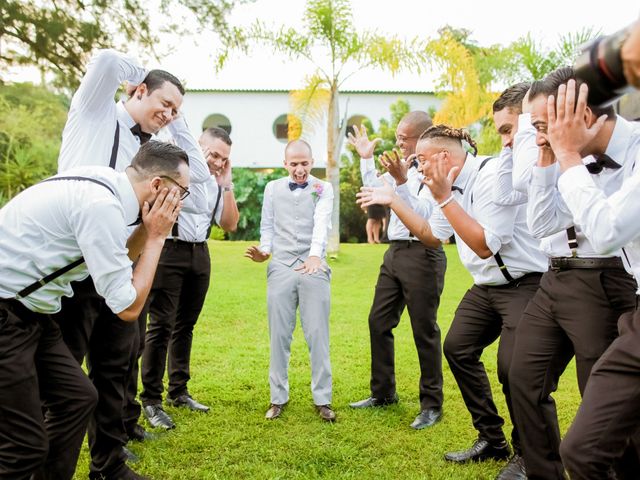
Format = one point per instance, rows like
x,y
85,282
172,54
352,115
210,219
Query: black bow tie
x,y
294,185
602,161
456,189
144,137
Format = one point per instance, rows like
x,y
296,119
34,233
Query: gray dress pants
x,y
287,290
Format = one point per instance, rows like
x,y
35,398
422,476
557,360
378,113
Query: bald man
x,y
296,217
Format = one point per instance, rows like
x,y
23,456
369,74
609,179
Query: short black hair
x,y
549,86
512,97
159,158
156,78
217,132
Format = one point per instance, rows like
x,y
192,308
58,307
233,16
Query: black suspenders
x,y
497,257
28,290
174,229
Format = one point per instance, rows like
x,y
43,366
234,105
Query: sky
x,y
490,21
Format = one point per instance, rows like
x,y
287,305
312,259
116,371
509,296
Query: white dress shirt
x,y
609,221
505,193
193,220
321,217
549,216
421,202
54,223
88,135
505,229
525,153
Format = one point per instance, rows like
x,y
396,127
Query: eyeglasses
x,y
185,191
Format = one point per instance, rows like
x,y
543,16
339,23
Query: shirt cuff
x,y
316,250
367,164
544,176
493,242
122,298
265,249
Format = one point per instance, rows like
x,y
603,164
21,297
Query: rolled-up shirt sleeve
x,y
101,233
198,169
106,71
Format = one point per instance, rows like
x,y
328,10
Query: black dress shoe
x,y
139,434
123,473
131,457
480,451
427,418
375,402
514,470
158,417
185,401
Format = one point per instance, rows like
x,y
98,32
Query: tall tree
x,y
328,40
473,75
58,35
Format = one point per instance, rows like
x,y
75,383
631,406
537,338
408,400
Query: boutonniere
x,y
318,188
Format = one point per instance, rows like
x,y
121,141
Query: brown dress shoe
x,y
326,413
274,411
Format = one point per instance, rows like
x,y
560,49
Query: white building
x,y
257,119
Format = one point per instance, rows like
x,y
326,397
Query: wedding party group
x,y
107,263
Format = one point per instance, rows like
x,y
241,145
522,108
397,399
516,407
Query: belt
x,y
567,263
405,243
178,242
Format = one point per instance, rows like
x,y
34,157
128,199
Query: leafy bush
x,y
249,190
31,123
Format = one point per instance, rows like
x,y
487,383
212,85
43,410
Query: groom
x,y
296,217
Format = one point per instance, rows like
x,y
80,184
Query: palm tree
x,y
337,52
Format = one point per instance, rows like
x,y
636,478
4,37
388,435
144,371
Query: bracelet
x,y
446,202
228,188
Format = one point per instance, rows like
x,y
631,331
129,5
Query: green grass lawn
x,y
230,373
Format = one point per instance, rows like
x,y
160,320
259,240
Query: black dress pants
x,y
132,408
604,434
36,371
90,328
574,312
411,275
484,314
176,299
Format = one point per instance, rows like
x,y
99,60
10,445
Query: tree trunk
x,y
333,169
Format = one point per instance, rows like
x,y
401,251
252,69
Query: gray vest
x,y
292,221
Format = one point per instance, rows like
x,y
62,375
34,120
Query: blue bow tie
x,y
294,185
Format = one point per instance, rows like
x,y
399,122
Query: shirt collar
x,y
619,141
128,198
465,173
123,115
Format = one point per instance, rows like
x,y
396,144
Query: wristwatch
x,y
228,188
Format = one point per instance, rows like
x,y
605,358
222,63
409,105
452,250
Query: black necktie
x,y
456,189
294,185
144,137
602,161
